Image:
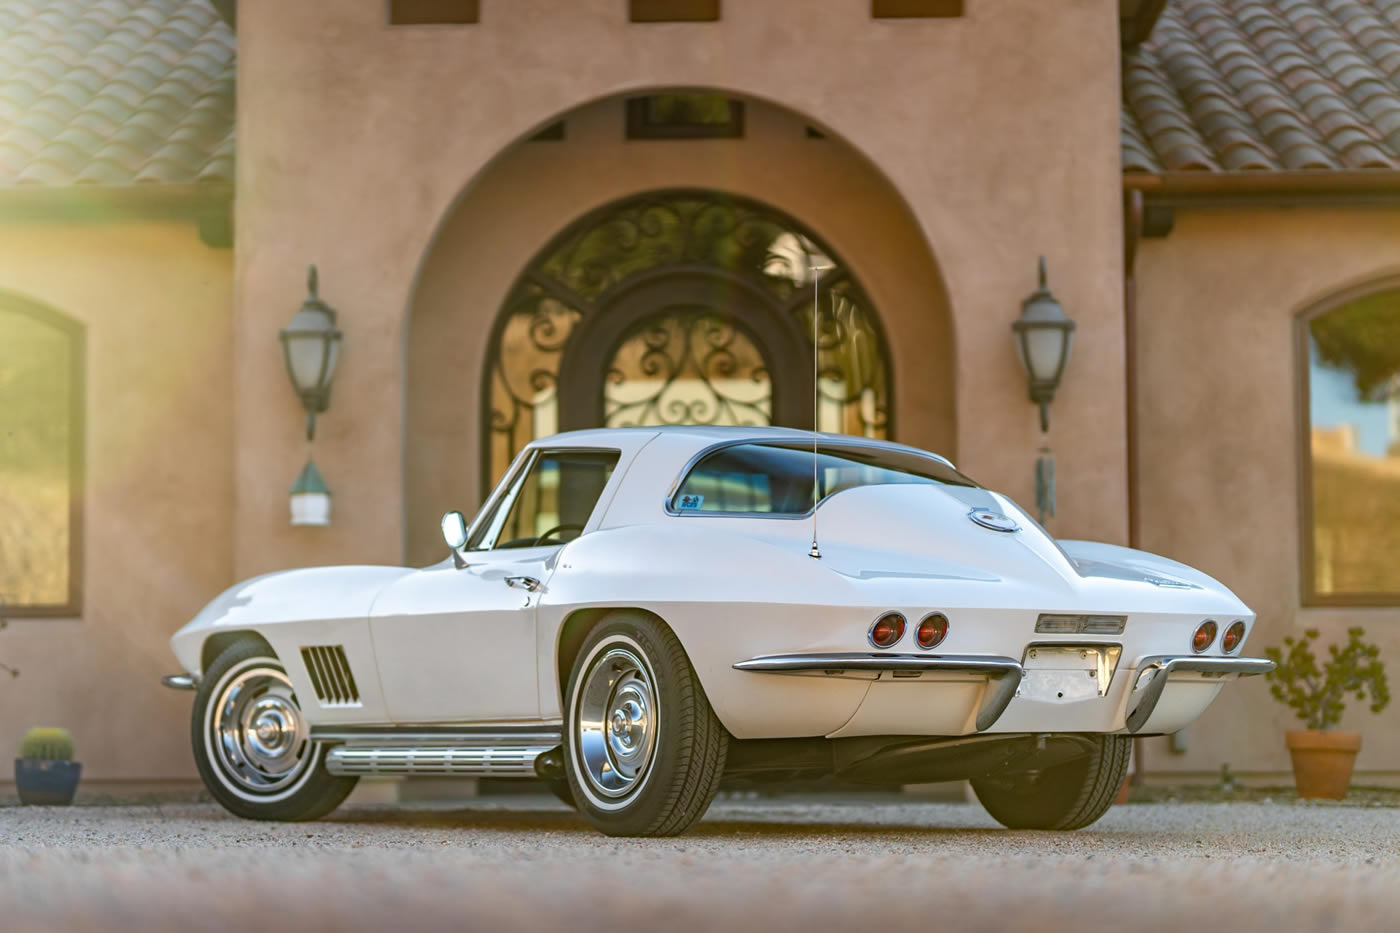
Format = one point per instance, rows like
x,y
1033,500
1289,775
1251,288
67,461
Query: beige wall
x,y
1001,145
1218,306
158,529
534,191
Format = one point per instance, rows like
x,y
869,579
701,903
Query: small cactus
x,y
47,745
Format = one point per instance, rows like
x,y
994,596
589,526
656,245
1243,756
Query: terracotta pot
x,y
1322,761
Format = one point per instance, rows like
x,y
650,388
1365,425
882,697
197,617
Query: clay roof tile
x,y
1287,84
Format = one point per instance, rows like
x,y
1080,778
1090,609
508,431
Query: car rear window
x,y
776,478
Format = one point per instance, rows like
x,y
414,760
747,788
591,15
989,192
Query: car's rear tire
x,y
1065,796
252,744
643,750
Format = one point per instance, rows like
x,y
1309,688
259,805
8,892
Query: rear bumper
x,y
1003,674
1151,676
986,686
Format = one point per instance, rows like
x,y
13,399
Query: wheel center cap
x,y
269,731
621,722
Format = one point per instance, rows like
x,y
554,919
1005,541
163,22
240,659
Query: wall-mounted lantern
x,y
311,499
311,348
1043,335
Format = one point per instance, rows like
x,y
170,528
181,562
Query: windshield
x,y
775,478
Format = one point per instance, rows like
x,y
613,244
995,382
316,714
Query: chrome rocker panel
x,y
1164,665
487,751
462,761
1004,673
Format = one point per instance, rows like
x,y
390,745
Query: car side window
x,y
552,503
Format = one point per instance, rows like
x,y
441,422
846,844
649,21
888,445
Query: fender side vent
x,y
330,675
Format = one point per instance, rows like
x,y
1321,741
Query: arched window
x,y
1351,464
682,307
41,454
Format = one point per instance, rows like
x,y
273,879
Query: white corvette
x,y
637,613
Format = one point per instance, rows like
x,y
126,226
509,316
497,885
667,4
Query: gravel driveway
x,y
847,864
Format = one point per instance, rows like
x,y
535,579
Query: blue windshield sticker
x,y
691,502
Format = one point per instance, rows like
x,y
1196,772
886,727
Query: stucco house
x,y
510,205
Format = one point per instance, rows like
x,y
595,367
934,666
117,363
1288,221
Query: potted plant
x,y
45,772
1323,758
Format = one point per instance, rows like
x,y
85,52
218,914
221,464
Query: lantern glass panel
x,y
309,338
1042,350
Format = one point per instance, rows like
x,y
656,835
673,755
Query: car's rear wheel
x,y
252,744
643,751
1070,795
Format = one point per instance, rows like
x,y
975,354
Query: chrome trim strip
x,y
180,682
947,663
1165,665
1004,673
439,737
830,440
480,761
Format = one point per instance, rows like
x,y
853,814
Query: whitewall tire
x,y
643,751
252,744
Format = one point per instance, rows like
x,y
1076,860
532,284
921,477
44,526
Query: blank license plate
x,y
1065,673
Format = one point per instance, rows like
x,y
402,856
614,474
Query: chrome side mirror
x,y
454,532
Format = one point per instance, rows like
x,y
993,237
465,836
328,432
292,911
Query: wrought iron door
x,y
681,307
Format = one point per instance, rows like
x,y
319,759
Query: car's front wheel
x,y
252,744
643,750
1070,795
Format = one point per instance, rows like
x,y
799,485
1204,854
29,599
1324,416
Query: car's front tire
x,y
1070,795
252,744
643,750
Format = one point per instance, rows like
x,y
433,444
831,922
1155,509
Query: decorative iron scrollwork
x,y
687,367
681,366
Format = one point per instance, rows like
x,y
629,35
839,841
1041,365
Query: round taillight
x,y
1233,636
932,630
887,630
1205,634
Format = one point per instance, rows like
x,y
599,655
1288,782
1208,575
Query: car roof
x,y
701,436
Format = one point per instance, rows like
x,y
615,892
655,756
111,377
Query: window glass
x,y
1354,440
555,499
37,451
776,478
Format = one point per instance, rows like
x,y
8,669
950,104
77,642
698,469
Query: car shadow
x,y
567,821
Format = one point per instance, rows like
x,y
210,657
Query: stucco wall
x,y
356,139
158,523
1218,306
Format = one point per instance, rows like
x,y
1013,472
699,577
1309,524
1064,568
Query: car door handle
x,y
525,583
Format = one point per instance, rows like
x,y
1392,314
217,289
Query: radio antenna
x,y
816,393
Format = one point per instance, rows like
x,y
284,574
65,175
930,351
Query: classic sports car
x,y
637,613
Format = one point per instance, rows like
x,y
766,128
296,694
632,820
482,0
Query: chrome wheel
x,y
616,721
259,740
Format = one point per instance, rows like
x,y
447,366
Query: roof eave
x,y
1346,187
125,202
208,206
1136,19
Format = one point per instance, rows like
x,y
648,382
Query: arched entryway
x,y
682,307
601,263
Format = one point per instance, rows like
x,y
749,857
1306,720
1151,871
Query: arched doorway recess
x,y
681,307
539,193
